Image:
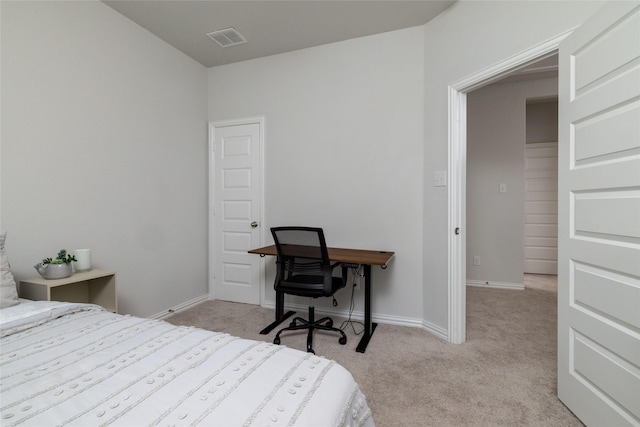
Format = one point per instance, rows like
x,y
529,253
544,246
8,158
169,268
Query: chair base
x,y
298,323
273,325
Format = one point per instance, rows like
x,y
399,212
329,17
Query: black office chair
x,y
304,269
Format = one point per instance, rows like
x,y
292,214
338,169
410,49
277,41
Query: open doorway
x,y
457,173
511,201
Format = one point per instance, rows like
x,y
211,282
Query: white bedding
x,y
77,364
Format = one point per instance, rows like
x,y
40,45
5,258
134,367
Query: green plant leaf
x,y
62,257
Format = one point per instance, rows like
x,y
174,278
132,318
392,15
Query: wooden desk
x,y
365,258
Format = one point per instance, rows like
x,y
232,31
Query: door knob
x,y
254,224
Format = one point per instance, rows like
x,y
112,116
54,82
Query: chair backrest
x,y
301,242
303,265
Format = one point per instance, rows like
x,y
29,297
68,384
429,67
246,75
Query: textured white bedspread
x,y
77,364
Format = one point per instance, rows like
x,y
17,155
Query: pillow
x,y
8,290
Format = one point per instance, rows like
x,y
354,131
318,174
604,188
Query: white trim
x,y
436,330
496,285
359,316
211,222
457,215
457,172
499,70
180,307
260,120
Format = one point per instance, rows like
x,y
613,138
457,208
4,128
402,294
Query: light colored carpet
x,y
504,375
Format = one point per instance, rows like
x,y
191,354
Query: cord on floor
x,y
350,322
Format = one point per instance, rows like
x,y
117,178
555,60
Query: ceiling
x,y
271,27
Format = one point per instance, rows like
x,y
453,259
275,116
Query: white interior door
x,y
541,208
599,211
236,151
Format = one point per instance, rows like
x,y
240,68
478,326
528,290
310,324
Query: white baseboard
x,y
356,315
302,308
179,308
436,330
359,315
497,285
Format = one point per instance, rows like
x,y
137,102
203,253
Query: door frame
x,y
457,149
260,121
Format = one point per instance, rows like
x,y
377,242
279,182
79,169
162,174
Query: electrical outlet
x,y
476,260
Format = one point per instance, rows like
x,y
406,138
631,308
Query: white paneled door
x,y
236,211
599,208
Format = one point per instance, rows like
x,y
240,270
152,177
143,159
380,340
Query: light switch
x,y
440,179
503,188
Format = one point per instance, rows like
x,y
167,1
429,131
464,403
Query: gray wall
x,y
343,150
351,107
127,117
466,38
496,137
104,146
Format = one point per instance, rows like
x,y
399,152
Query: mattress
x,y
77,364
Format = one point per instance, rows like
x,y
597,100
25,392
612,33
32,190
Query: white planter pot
x,y
54,271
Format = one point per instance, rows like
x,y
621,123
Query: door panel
x,y
620,122
237,204
611,215
614,296
599,208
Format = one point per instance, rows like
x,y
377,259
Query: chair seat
x,y
308,286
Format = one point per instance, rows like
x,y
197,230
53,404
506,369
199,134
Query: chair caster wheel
x,y
276,341
342,340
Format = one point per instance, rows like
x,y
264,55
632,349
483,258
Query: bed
x,y
78,364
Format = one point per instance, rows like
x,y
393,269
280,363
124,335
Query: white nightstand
x,y
93,286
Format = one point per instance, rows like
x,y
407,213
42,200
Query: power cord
x,y
352,323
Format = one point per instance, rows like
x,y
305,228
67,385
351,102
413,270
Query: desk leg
x,y
281,316
369,326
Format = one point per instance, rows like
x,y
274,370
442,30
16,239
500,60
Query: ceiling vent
x,y
227,37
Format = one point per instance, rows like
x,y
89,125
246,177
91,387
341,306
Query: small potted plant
x,y
57,268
